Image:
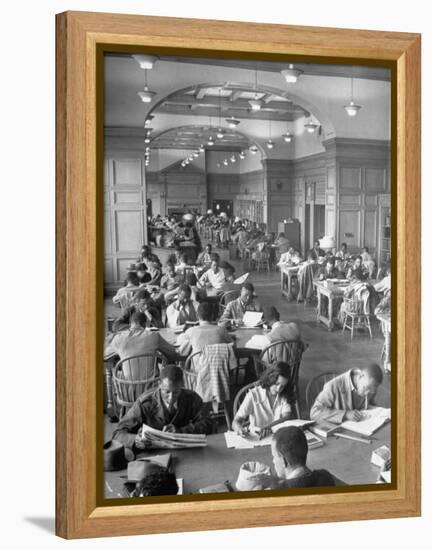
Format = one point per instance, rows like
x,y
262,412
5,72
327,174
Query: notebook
x,y
372,420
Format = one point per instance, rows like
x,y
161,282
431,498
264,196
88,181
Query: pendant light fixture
x,y
233,158
242,155
288,136
147,95
148,120
269,143
256,103
311,126
232,122
253,149
145,61
352,109
220,133
291,74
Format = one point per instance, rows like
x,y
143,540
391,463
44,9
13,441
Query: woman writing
x,y
265,403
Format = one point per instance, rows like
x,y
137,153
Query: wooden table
x,y
385,319
287,273
348,460
331,292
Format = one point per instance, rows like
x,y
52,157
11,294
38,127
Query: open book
x,y
252,318
157,439
372,419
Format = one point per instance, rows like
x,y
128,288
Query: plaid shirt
x,y
213,376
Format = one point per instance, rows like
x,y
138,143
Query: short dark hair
x,y
291,443
344,244
205,311
249,286
373,370
271,374
132,277
271,313
173,373
208,245
139,318
184,288
184,257
141,267
366,248
358,257
159,482
215,257
331,260
141,294
190,278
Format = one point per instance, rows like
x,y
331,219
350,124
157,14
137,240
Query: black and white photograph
x,y
247,276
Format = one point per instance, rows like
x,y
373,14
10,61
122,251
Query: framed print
x,y
238,274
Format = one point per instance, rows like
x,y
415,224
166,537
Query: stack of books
x,y
313,441
324,429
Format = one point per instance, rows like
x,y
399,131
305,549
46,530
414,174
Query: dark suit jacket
x,y
149,409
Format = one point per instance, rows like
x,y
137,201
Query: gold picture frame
x,y
81,37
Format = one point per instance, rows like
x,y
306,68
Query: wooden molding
x,y
79,292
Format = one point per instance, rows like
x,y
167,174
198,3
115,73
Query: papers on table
x,y
157,439
252,318
251,440
258,341
372,419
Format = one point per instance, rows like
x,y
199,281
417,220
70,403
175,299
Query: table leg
x,y
330,313
318,305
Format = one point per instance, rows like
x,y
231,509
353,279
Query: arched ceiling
x,y
187,94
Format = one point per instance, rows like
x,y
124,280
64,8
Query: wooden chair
x,y
189,372
241,395
226,298
291,352
355,316
314,387
135,375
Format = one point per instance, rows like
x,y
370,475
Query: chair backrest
x,y
241,395
135,375
354,305
228,297
215,373
314,387
190,374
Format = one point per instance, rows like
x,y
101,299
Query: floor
x,y
327,351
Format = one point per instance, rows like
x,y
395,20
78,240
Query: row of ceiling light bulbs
x,y
291,76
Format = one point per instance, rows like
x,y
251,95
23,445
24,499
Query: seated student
x,y
266,402
328,271
317,251
305,277
174,258
137,341
182,264
339,268
357,270
343,252
143,275
154,269
141,302
170,282
192,282
236,309
368,261
279,329
170,408
229,271
181,310
157,482
346,395
289,451
213,277
146,255
292,257
384,285
126,292
196,338
204,258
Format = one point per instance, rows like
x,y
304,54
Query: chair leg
x,y
227,415
352,327
369,326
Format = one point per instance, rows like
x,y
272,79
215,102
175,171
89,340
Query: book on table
x,y
324,429
313,440
372,419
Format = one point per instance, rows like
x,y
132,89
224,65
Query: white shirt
x,y
256,407
216,280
